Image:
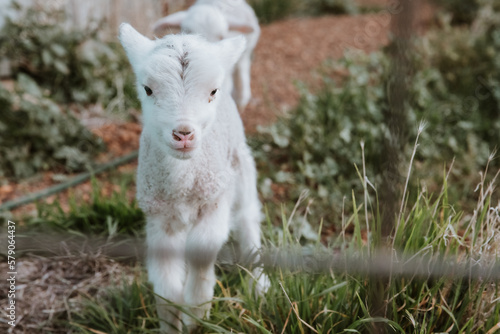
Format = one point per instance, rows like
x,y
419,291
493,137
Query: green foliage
x,y
333,6
37,135
273,10
55,66
317,145
463,12
268,11
74,65
103,215
455,88
459,92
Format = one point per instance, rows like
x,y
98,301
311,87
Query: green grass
x,y
307,301
102,215
127,309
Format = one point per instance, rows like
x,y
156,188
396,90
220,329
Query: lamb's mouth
x,y
185,149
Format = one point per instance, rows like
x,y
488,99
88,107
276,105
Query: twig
x,y
68,184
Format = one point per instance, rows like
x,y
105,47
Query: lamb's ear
x,y
243,28
136,45
231,50
173,21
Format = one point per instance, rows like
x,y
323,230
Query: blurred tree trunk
x,y
396,121
396,117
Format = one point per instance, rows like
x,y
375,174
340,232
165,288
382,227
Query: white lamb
x,y
217,20
196,180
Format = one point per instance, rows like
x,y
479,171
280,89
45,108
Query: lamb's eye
x,y
148,90
212,93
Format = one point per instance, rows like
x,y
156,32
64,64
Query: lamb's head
x,y
207,21
179,80
202,19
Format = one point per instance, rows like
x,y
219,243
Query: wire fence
x,y
382,263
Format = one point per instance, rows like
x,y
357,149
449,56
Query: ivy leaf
x,y
27,84
61,67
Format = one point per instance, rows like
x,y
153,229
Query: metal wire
x,y
381,263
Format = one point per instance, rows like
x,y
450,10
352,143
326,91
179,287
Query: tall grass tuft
x,y
127,309
307,299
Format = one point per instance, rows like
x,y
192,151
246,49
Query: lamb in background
x,y
217,20
196,179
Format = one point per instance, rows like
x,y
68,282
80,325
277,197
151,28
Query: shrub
x,y
463,12
74,65
317,145
455,87
55,66
38,135
272,10
332,7
459,91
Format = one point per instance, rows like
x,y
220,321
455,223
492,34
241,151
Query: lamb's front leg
x,y
166,271
203,244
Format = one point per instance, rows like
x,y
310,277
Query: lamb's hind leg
x,y
167,272
203,244
247,236
247,219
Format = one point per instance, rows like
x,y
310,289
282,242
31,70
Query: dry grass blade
x,y
89,329
144,305
294,307
494,329
365,191
421,128
286,321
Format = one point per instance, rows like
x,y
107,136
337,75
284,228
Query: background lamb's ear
x,y
173,21
231,50
243,28
136,45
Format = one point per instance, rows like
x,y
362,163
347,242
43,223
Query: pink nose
x,y
183,136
